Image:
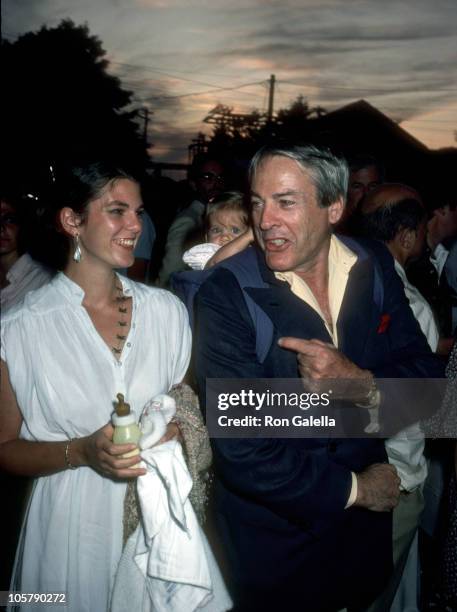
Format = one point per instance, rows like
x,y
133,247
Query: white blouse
x,y
66,379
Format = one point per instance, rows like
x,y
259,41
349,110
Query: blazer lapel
x,y
290,315
356,314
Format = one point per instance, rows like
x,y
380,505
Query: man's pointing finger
x,y
295,344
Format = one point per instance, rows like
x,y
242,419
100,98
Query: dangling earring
x,y
77,255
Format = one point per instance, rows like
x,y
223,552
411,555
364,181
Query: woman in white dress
x,y
66,352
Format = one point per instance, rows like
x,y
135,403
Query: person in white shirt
x,y
19,273
67,350
394,214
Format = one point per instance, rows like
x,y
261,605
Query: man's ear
x,y
335,211
70,221
406,238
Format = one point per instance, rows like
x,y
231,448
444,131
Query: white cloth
x,y
198,256
406,450
24,275
177,571
65,379
438,258
157,413
421,309
167,565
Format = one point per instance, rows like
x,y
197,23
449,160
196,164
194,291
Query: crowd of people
x,y
312,268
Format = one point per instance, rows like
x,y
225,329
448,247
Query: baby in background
x,y
226,221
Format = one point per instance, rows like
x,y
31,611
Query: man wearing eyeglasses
x,y
208,181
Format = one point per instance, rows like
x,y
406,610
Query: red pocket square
x,y
384,323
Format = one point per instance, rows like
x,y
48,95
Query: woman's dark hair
x,y
76,186
73,186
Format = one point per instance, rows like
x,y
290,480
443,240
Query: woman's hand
x,y
98,452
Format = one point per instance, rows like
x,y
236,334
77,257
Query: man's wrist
x,y
372,395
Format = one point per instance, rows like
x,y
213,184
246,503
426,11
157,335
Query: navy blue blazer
x,y
290,543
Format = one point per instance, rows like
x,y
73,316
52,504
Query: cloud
x,y
398,55
359,32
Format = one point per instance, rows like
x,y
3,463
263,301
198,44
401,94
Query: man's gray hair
x,y
329,173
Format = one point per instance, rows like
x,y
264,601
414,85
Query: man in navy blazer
x,y
306,523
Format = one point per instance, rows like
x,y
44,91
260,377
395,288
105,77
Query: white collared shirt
x,y
420,308
340,261
24,275
406,449
438,258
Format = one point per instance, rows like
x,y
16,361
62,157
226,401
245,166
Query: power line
x,y
139,67
173,76
216,87
133,85
146,93
201,93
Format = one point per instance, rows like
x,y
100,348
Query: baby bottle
x,y
126,430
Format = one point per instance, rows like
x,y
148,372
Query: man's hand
x,y
320,361
378,488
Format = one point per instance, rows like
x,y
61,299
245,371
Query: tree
x,y
60,102
240,135
291,121
234,124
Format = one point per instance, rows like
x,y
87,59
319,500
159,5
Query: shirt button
x,y
134,325
129,344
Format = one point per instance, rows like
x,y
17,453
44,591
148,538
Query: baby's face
x,y
224,226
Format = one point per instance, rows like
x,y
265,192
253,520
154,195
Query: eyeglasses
x,y
211,176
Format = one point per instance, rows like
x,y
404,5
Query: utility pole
x,y
146,121
143,113
271,98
